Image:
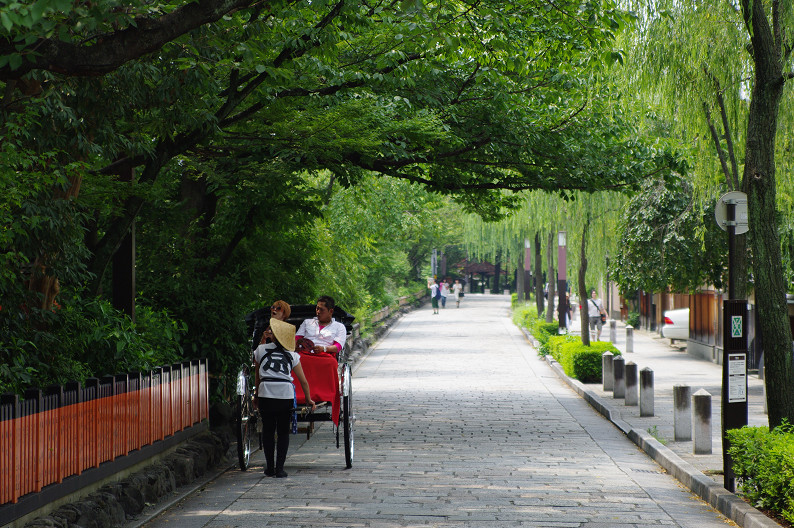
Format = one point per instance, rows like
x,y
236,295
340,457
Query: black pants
x,y
276,422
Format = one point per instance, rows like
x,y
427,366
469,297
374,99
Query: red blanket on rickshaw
x,y
322,373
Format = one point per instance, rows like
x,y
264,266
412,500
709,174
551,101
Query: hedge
x,y
764,463
580,361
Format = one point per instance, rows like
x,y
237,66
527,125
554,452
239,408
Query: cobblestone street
x,y
459,423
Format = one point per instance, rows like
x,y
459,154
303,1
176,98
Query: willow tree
x,y
732,57
584,216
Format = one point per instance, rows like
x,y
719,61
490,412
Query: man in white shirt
x,y
594,311
327,334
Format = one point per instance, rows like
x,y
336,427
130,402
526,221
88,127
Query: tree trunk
x,y
497,272
584,313
44,285
551,277
760,186
538,276
520,273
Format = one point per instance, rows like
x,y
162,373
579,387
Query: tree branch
x,y
720,154
108,52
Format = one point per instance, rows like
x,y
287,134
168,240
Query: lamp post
x,y
562,305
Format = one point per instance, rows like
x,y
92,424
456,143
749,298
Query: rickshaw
x,y
329,378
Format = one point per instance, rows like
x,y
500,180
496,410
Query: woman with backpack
x,y
277,360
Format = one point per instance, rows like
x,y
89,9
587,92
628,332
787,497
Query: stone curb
x,y
715,495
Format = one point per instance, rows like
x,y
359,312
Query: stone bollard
x,y
506,292
632,389
701,419
629,339
613,331
619,376
607,374
646,392
682,415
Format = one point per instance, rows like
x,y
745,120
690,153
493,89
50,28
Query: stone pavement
x,y
459,423
673,366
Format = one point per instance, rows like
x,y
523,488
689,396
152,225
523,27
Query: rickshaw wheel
x,y
347,410
243,431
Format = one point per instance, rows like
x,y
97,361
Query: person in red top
x,y
327,334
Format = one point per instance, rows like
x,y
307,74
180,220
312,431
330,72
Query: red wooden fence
x,y
61,431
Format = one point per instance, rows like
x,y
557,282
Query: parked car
x,y
676,324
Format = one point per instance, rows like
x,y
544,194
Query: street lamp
x,y
562,305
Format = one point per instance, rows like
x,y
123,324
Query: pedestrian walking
x,y
435,295
444,293
596,315
457,289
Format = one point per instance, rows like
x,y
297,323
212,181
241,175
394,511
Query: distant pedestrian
x,y
595,310
444,293
435,295
457,288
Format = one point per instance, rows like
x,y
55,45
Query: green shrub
x,y
556,342
633,319
764,463
549,328
525,315
583,362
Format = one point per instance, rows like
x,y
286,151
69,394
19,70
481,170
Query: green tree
x,y
732,60
241,121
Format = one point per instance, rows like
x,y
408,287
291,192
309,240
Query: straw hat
x,y
284,334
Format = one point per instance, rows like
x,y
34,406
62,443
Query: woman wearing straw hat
x,y
280,310
276,393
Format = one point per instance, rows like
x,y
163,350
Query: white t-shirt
x,y
275,372
444,289
456,288
599,307
325,336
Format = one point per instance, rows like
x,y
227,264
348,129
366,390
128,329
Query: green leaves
x,y
667,240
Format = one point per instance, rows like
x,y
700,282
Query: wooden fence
x,y
50,435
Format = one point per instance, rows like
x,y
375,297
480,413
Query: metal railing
x,y
49,435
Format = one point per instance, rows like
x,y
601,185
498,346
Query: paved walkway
x,y
673,366
459,423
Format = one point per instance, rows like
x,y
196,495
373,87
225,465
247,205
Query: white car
x,y
676,324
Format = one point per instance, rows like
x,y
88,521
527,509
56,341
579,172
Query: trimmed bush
x,y
556,342
583,362
764,463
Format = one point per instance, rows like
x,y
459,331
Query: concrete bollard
x,y
506,292
701,420
682,414
632,389
619,376
613,331
629,339
646,392
607,374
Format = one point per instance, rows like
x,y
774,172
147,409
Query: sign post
x,y
734,379
731,216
